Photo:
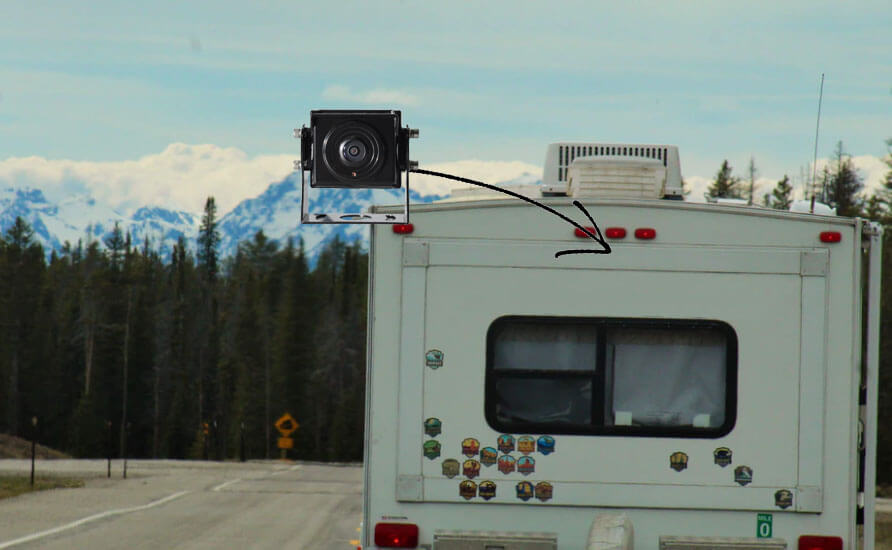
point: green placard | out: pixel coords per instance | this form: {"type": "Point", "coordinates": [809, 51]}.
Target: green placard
{"type": "Point", "coordinates": [763, 526]}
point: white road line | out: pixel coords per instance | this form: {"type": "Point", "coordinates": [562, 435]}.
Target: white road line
{"type": "Point", "coordinates": [88, 519]}
{"type": "Point", "coordinates": [295, 467]}
{"type": "Point", "coordinates": [218, 488]}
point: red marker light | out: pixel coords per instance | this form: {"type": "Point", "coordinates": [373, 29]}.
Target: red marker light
{"type": "Point", "coordinates": [645, 233]}
{"type": "Point", "coordinates": [831, 236]}
{"type": "Point", "coordinates": [403, 228]}
{"type": "Point", "coordinates": [615, 232]}
{"type": "Point", "coordinates": [582, 234]}
{"type": "Point", "coordinates": [396, 535]}
{"type": "Point", "coordinates": [816, 542]}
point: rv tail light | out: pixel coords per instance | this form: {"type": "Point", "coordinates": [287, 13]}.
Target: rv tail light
{"type": "Point", "coordinates": [396, 535]}
{"type": "Point", "coordinates": [816, 542]}
{"type": "Point", "coordinates": [403, 228]}
{"type": "Point", "coordinates": [831, 236]}
{"type": "Point", "coordinates": [645, 233]}
{"type": "Point", "coordinates": [615, 232]}
{"type": "Point", "coordinates": [582, 234]}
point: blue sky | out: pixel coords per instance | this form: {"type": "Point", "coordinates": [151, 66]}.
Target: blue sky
{"type": "Point", "coordinates": [494, 81]}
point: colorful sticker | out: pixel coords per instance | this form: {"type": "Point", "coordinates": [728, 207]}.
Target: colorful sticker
{"type": "Point", "coordinates": [470, 469]}
{"type": "Point", "coordinates": [526, 444]}
{"type": "Point", "coordinates": [488, 456]}
{"type": "Point", "coordinates": [743, 475]}
{"type": "Point", "coordinates": [433, 358]}
{"type": "Point", "coordinates": [467, 489]}
{"type": "Point", "coordinates": [525, 490]}
{"type": "Point", "coordinates": [506, 464]}
{"type": "Point", "coordinates": [506, 443]}
{"type": "Point", "coordinates": [544, 490]}
{"type": "Point", "coordinates": [678, 461]}
{"type": "Point", "coordinates": [431, 449]}
{"type": "Point", "coordinates": [722, 456]}
{"type": "Point", "coordinates": [545, 444]}
{"type": "Point", "coordinates": [487, 490]}
{"type": "Point", "coordinates": [433, 427]}
{"type": "Point", "coordinates": [450, 468]}
{"type": "Point", "coordinates": [526, 465]}
{"type": "Point", "coordinates": [469, 447]}
{"type": "Point", "coordinates": [783, 499]}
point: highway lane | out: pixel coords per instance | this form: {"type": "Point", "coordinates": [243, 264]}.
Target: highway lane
{"type": "Point", "coordinates": [189, 505]}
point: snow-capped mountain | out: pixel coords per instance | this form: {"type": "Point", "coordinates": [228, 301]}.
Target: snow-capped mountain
{"type": "Point", "coordinates": [276, 211]}
{"type": "Point", "coordinates": [82, 218]}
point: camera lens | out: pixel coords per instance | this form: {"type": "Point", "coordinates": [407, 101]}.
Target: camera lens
{"type": "Point", "coordinates": [353, 151]}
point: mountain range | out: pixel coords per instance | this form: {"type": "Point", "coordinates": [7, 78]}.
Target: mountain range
{"type": "Point", "coordinates": [276, 211]}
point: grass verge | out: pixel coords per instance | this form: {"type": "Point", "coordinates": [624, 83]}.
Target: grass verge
{"type": "Point", "coordinates": [11, 486]}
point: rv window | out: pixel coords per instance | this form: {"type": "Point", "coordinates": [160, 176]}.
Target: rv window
{"type": "Point", "coordinates": [611, 376]}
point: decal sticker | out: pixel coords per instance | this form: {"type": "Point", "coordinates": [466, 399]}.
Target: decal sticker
{"type": "Point", "coordinates": [469, 447]}
{"type": "Point", "coordinates": [526, 465]}
{"type": "Point", "coordinates": [763, 526]}
{"type": "Point", "coordinates": [722, 456]}
{"type": "Point", "coordinates": [524, 490]}
{"type": "Point", "coordinates": [783, 499]}
{"type": "Point", "coordinates": [743, 475]}
{"type": "Point", "coordinates": [544, 491]}
{"type": "Point", "coordinates": [488, 456]}
{"type": "Point", "coordinates": [506, 464]}
{"type": "Point", "coordinates": [467, 489]}
{"type": "Point", "coordinates": [450, 468]}
{"type": "Point", "coordinates": [471, 469]}
{"type": "Point", "coordinates": [545, 444]}
{"type": "Point", "coordinates": [487, 490]}
{"type": "Point", "coordinates": [526, 444]}
{"type": "Point", "coordinates": [678, 461]}
{"type": "Point", "coordinates": [433, 358]}
{"type": "Point", "coordinates": [506, 443]}
{"type": "Point", "coordinates": [433, 427]}
{"type": "Point", "coordinates": [431, 449]}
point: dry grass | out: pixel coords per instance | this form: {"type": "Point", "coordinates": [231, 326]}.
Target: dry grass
{"type": "Point", "coordinates": [16, 447]}
{"type": "Point", "coordinates": [11, 486]}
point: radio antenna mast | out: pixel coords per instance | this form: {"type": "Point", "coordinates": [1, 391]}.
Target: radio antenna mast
{"type": "Point", "coordinates": [814, 164]}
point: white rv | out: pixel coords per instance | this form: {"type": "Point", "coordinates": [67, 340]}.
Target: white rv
{"type": "Point", "coordinates": [710, 383]}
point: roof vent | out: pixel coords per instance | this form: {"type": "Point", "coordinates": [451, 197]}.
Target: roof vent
{"type": "Point", "coordinates": [618, 160]}
{"type": "Point", "coordinates": [616, 178]}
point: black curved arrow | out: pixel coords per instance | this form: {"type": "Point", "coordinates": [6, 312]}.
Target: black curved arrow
{"type": "Point", "coordinates": [596, 235]}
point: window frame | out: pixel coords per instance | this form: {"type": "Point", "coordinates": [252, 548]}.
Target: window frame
{"type": "Point", "coordinates": [598, 378]}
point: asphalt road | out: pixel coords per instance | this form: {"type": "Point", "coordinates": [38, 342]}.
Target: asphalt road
{"type": "Point", "coordinates": [187, 505]}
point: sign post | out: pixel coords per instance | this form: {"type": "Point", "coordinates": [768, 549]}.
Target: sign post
{"type": "Point", "coordinates": [287, 425]}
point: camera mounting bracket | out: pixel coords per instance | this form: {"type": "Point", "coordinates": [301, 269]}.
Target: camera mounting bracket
{"type": "Point", "coordinates": [341, 217]}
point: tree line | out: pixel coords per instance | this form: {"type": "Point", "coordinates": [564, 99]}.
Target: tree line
{"type": "Point", "coordinates": [112, 347]}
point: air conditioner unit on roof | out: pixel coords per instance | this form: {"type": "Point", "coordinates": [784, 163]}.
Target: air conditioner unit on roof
{"type": "Point", "coordinates": [609, 170]}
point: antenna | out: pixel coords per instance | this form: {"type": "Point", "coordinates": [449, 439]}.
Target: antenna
{"type": "Point", "coordinates": [814, 164]}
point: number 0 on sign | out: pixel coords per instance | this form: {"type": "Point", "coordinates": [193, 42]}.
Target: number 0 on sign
{"type": "Point", "coordinates": [763, 526]}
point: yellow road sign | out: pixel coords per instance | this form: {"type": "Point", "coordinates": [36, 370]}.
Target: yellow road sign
{"type": "Point", "coordinates": [286, 425]}
{"type": "Point", "coordinates": [286, 443]}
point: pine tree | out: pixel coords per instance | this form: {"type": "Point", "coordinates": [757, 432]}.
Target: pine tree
{"type": "Point", "coordinates": [843, 185]}
{"type": "Point", "coordinates": [725, 185]}
{"type": "Point", "coordinates": [782, 195]}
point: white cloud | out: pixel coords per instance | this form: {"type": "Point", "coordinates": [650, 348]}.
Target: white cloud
{"type": "Point", "coordinates": [491, 172]}
{"type": "Point", "coordinates": [181, 177]}
{"type": "Point", "coordinates": [376, 96]}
